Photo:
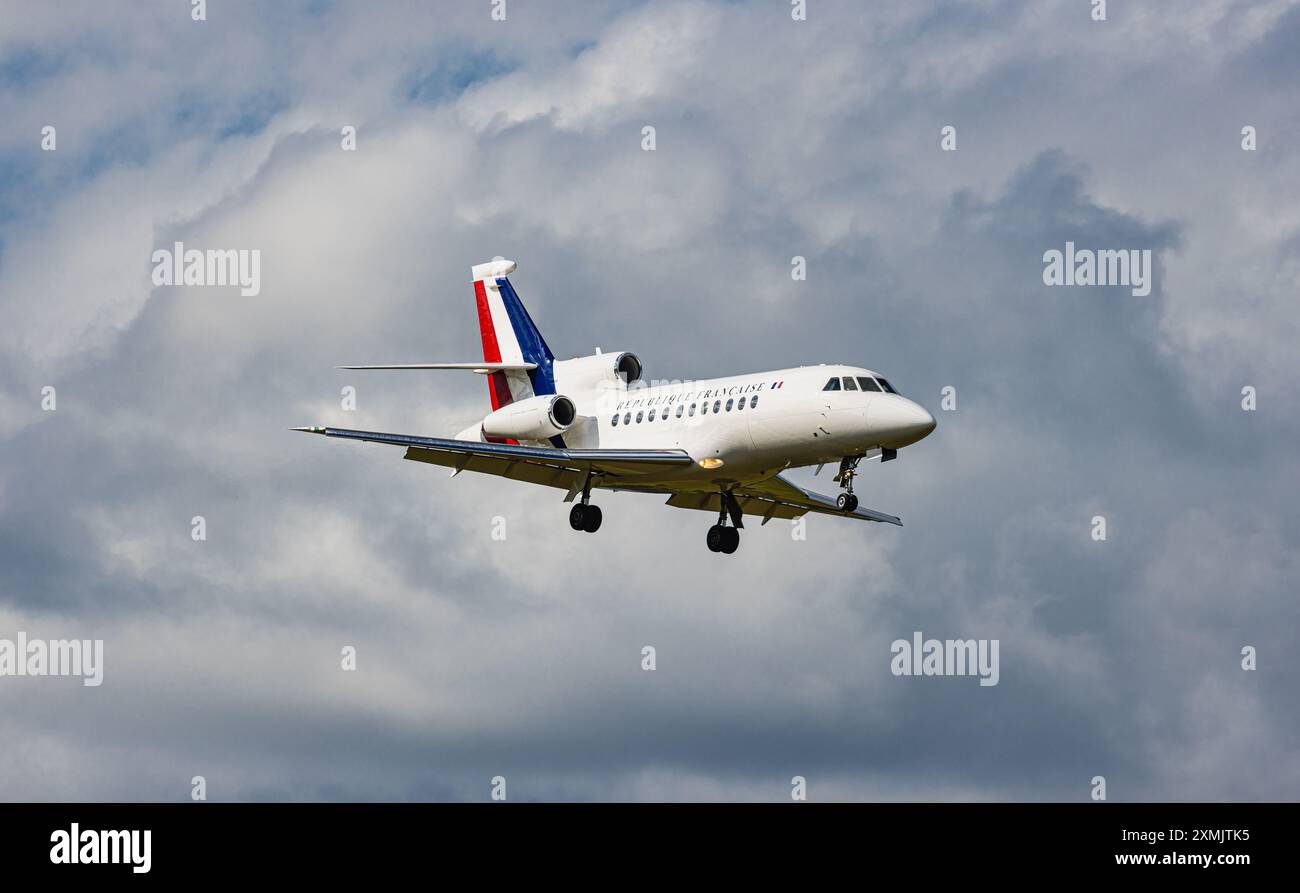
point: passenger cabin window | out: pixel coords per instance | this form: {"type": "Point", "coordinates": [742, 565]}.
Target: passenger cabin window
{"type": "Point", "coordinates": [627, 418]}
{"type": "Point", "coordinates": [680, 407]}
{"type": "Point", "coordinates": [753, 401]}
{"type": "Point", "coordinates": [652, 416]}
{"type": "Point", "coordinates": [638, 418]}
{"type": "Point", "coordinates": [740, 404]}
{"type": "Point", "coordinates": [868, 383]}
{"type": "Point", "coordinates": [716, 405]}
{"type": "Point", "coordinates": [614, 421]}
{"type": "Point", "coordinates": [692, 412]}
{"type": "Point", "coordinates": [704, 409]}
{"type": "Point", "coordinates": [730, 403]}
{"type": "Point", "coordinates": [832, 385]}
{"type": "Point", "coordinates": [850, 384]}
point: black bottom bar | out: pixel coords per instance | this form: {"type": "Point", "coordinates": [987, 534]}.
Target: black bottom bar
{"type": "Point", "coordinates": [533, 841]}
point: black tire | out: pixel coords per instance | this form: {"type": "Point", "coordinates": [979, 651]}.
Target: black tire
{"type": "Point", "coordinates": [577, 516]}
{"type": "Point", "coordinates": [730, 540]}
{"type": "Point", "coordinates": [853, 504]}
{"type": "Point", "coordinates": [715, 538]}
{"type": "Point", "coordinates": [591, 518]}
{"type": "Point", "coordinates": [842, 502]}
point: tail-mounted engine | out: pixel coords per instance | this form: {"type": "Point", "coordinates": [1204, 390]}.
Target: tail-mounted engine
{"type": "Point", "coordinates": [536, 418]}
{"type": "Point", "coordinates": [597, 371]}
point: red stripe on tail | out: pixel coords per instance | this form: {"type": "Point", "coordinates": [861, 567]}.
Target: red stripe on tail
{"type": "Point", "coordinates": [498, 387]}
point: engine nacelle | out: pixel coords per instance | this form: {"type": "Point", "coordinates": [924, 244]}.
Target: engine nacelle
{"type": "Point", "coordinates": [598, 370]}
{"type": "Point", "coordinates": [536, 418]}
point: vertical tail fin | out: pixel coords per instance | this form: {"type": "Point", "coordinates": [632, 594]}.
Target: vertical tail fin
{"type": "Point", "coordinates": [510, 336]}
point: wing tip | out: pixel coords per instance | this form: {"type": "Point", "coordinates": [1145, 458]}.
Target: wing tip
{"type": "Point", "coordinates": [882, 518]}
{"type": "Point", "coordinates": [310, 429]}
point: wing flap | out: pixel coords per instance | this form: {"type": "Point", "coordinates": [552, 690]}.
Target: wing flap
{"type": "Point", "coordinates": [749, 505]}
{"type": "Point", "coordinates": [529, 472]}
{"type": "Point", "coordinates": [777, 497]}
{"type": "Point", "coordinates": [781, 489]}
{"type": "Point", "coordinates": [517, 460]}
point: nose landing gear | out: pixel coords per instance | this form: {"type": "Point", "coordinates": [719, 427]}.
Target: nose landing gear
{"type": "Point", "coordinates": [722, 538]}
{"type": "Point", "coordinates": [846, 501]}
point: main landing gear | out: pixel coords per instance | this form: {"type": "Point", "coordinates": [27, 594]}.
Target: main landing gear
{"type": "Point", "coordinates": [722, 538]}
{"type": "Point", "coordinates": [584, 516]}
{"type": "Point", "coordinates": [846, 501]}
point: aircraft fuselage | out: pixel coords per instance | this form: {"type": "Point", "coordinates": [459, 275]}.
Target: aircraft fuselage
{"type": "Point", "coordinates": [788, 420]}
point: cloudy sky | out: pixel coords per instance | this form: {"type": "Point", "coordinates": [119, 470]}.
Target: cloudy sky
{"type": "Point", "coordinates": [774, 138]}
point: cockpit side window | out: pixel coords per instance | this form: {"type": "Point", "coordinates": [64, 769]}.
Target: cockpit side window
{"type": "Point", "coordinates": [850, 384]}
{"type": "Point", "coordinates": [832, 385]}
{"type": "Point", "coordinates": [868, 383]}
{"type": "Point", "coordinates": [889, 389]}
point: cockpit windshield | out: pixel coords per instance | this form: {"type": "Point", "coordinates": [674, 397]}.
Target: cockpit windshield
{"type": "Point", "coordinates": [863, 382]}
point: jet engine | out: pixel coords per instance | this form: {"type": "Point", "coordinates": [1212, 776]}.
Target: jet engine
{"type": "Point", "coordinates": [597, 371]}
{"type": "Point", "coordinates": [536, 418]}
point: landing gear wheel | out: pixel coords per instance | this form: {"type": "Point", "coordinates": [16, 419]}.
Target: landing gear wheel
{"type": "Point", "coordinates": [716, 537]}
{"type": "Point", "coordinates": [578, 517]}
{"type": "Point", "coordinates": [730, 540]}
{"type": "Point", "coordinates": [846, 501]}
{"type": "Point", "coordinates": [591, 518]}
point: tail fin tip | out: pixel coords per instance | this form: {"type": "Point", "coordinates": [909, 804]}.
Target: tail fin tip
{"type": "Point", "coordinates": [493, 269]}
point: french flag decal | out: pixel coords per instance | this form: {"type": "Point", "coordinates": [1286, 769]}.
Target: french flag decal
{"type": "Point", "coordinates": [776, 384]}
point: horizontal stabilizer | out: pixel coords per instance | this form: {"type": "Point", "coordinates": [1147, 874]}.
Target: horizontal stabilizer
{"type": "Point", "coordinates": [481, 368]}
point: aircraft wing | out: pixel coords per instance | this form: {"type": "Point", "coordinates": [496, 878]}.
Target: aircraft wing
{"type": "Point", "coordinates": [481, 368]}
{"type": "Point", "coordinates": [777, 497]}
{"type": "Point", "coordinates": [563, 468]}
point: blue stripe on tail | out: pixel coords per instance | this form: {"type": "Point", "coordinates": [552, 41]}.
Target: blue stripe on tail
{"type": "Point", "coordinates": [531, 343]}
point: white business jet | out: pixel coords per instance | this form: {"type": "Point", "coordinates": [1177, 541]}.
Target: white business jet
{"type": "Point", "coordinates": [719, 445]}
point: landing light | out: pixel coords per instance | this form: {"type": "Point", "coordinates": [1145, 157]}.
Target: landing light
{"type": "Point", "coordinates": [710, 463]}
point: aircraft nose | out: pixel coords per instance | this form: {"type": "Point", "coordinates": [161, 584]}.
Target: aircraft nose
{"type": "Point", "coordinates": [900, 422]}
{"type": "Point", "coordinates": [924, 421]}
